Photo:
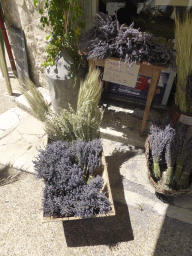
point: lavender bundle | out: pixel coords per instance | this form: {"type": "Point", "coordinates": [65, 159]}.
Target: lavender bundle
{"type": "Point", "coordinates": [66, 193]}
{"type": "Point", "coordinates": [101, 36]}
{"type": "Point", "coordinates": [108, 39]}
{"type": "Point", "coordinates": [158, 139]}
{"type": "Point", "coordinates": [183, 159]}
{"type": "Point", "coordinates": [89, 156]}
{"type": "Point", "coordinates": [131, 44]}
{"type": "Point", "coordinates": [187, 169]}
{"type": "Point", "coordinates": [159, 54]}
{"type": "Point", "coordinates": [170, 156]}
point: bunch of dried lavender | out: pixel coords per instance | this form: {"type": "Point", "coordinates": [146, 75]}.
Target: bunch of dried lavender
{"type": "Point", "coordinates": [187, 170]}
{"type": "Point", "coordinates": [62, 165]}
{"type": "Point", "coordinates": [103, 34]}
{"type": "Point", "coordinates": [159, 54]}
{"type": "Point", "coordinates": [170, 157]}
{"type": "Point", "coordinates": [158, 139]}
{"type": "Point", "coordinates": [88, 153]}
{"type": "Point", "coordinates": [131, 44]}
{"type": "Point", "coordinates": [108, 39]}
{"type": "Point", "coordinates": [183, 159]}
{"type": "Point", "coordinates": [173, 153]}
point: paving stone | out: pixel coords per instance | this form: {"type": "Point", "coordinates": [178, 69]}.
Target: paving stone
{"type": "Point", "coordinates": [25, 135]}
{"type": "Point", "coordinates": [31, 126]}
{"type": "Point", "coordinates": [24, 105]}
{"type": "Point", "coordinates": [10, 119]}
{"type": "Point", "coordinates": [25, 161]}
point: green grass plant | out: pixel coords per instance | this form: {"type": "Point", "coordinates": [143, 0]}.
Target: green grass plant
{"type": "Point", "coordinates": [85, 122]}
{"type": "Point", "coordinates": [38, 104]}
{"type": "Point", "coordinates": [70, 125]}
{"type": "Point", "coordinates": [183, 36]}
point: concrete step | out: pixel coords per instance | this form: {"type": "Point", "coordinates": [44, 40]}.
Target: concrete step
{"type": "Point", "coordinates": [20, 146]}
{"type": "Point", "coordinates": [24, 105]}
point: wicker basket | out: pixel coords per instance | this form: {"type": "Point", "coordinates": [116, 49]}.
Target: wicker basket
{"type": "Point", "coordinates": [160, 187]}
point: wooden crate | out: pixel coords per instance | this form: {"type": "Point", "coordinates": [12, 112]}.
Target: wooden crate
{"type": "Point", "coordinates": [106, 188]}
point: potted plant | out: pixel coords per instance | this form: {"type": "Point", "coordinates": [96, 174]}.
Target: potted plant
{"type": "Point", "coordinates": [73, 158]}
{"type": "Point", "coordinates": [169, 145]}
{"type": "Point", "coordinates": [63, 17]}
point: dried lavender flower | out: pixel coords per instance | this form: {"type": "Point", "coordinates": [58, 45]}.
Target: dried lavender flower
{"type": "Point", "coordinates": [169, 157]}
{"type": "Point", "coordinates": [158, 139]}
{"type": "Point", "coordinates": [62, 166]}
{"type": "Point", "coordinates": [108, 39]}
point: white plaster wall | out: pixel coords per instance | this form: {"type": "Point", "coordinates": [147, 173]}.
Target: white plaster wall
{"type": "Point", "coordinates": [23, 14]}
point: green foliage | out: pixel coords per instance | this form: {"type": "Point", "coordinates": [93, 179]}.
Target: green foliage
{"type": "Point", "coordinates": [85, 122]}
{"type": "Point", "coordinates": [183, 36]}
{"type": "Point", "coordinates": [69, 125]}
{"type": "Point", "coordinates": [64, 18]}
{"type": "Point", "coordinates": [39, 106]}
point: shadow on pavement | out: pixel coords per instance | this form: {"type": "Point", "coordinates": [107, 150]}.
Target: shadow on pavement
{"type": "Point", "coordinates": [175, 237]}
{"type": "Point", "coordinates": [9, 175]}
{"type": "Point", "coordinates": [105, 230]}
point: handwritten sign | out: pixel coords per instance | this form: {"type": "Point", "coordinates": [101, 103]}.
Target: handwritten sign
{"type": "Point", "coordinates": [185, 119]}
{"type": "Point", "coordinates": [118, 72]}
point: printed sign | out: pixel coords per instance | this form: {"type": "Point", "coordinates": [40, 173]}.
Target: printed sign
{"type": "Point", "coordinates": [118, 72]}
{"type": "Point", "coordinates": [185, 119]}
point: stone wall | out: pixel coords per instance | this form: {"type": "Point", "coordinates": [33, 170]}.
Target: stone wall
{"type": "Point", "coordinates": [23, 14]}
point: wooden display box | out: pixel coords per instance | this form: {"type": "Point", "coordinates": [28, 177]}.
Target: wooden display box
{"type": "Point", "coordinates": [106, 188]}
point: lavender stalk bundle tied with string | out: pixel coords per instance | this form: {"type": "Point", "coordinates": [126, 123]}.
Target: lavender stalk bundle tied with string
{"type": "Point", "coordinates": [175, 144]}
{"type": "Point", "coordinates": [159, 137]}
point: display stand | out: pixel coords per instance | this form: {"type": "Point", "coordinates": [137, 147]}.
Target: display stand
{"type": "Point", "coordinates": [145, 70]}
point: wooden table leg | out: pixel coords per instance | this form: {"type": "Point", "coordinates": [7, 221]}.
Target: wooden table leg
{"type": "Point", "coordinates": [150, 96]}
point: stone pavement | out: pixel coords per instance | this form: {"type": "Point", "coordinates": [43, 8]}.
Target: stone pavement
{"type": "Point", "coordinates": [143, 224]}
